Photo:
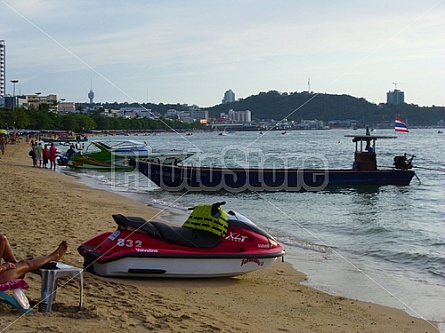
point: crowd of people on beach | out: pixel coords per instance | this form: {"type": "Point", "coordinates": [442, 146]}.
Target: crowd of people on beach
{"type": "Point", "coordinates": [42, 154]}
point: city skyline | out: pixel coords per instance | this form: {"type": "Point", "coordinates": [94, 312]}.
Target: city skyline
{"type": "Point", "coordinates": [192, 52]}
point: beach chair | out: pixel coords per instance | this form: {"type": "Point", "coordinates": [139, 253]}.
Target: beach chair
{"type": "Point", "coordinates": [18, 300]}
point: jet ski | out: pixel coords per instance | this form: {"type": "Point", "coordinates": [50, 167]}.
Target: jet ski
{"type": "Point", "coordinates": [140, 248]}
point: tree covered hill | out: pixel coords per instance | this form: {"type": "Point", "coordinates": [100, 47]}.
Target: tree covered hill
{"type": "Point", "coordinates": [327, 107]}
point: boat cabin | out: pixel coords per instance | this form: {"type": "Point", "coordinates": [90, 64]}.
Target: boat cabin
{"type": "Point", "coordinates": [365, 156]}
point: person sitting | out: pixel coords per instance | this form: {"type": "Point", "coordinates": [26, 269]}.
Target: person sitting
{"type": "Point", "coordinates": [12, 269]}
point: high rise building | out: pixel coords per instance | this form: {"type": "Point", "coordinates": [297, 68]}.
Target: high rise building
{"type": "Point", "coordinates": [229, 96]}
{"type": "Point", "coordinates": [395, 97]}
{"type": "Point", "coordinates": [2, 68]}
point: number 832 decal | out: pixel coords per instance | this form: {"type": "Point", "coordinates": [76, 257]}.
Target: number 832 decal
{"type": "Point", "coordinates": [128, 242]}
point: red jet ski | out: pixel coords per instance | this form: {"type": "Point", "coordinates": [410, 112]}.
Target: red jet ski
{"type": "Point", "coordinates": [140, 248]}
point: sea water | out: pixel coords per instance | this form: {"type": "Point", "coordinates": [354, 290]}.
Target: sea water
{"type": "Point", "coordinates": [381, 244]}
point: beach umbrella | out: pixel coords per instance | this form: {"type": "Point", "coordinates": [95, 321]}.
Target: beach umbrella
{"type": "Point", "coordinates": [2, 131]}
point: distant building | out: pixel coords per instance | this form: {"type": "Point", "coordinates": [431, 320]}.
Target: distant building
{"type": "Point", "coordinates": [240, 116]}
{"type": "Point", "coordinates": [35, 100]}
{"type": "Point", "coordinates": [50, 99]}
{"type": "Point", "coordinates": [395, 97]}
{"type": "Point", "coordinates": [136, 111]}
{"type": "Point", "coordinates": [66, 107]}
{"type": "Point", "coordinates": [2, 68]}
{"type": "Point", "coordinates": [229, 96]}
{"type": "Point", "coordinates": [191, 115]}
{"type": "Point", "coordinates": [11, 102]}
{"type": "Point", "coordinates": [194, 113]}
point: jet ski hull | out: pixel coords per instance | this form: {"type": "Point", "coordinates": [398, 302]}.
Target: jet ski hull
{"type": "Point", "coordinates": [185, 267]}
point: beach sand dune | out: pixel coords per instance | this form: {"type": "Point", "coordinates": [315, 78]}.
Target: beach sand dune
{"type": "Point", "coordinates": [39, 208]}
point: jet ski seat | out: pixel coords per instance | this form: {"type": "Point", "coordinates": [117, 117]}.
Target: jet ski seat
{"type": "Point", "coordinates": [187, 236]}
{"type": "Point", "coordinates": [177, 235]}
{"type": "Point", "coordinates": [136, 222]}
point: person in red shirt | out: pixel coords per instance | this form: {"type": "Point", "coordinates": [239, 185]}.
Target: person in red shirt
{"type": "Point", "coordinates": [52, 156]}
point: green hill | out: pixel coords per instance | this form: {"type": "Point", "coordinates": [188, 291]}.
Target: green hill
{"type": "Point", "coordinates": [327, 107]}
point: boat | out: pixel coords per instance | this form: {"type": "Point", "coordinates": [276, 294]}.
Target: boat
{"type": "Point", "coordinates": [140, 248]}
{"type": "Point", "coordinates": [210, 178]}
{"type": "Point", "coordinates": [223, 133]}
{"type": "Point", "coordinates": [70, 139]}
{"type": "Point", "coordinates": [115, 155]}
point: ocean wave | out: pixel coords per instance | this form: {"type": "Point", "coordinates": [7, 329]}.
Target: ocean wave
{"type": "Point", "coordinates": [430, 262]}
{"type": "Point", "coordinates": [305, 245]}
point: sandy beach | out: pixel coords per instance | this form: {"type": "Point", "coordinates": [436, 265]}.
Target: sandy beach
{"type": "Point", "coordinates": [39, 208]}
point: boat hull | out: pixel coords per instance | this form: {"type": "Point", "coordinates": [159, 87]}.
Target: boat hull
{"type": "Point", "coordinates": [183, 266]}
{"type": "Point", "coordinates": [178, 178]}
{"type": "Point", "coordinates": [122, 163]}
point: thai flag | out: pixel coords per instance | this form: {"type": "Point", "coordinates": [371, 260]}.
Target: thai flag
{"type": "Point", "coordinates": [400, 126]}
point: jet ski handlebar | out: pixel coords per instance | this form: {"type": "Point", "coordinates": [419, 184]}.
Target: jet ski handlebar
{"type": "Point", "coordinates": [215, 207]}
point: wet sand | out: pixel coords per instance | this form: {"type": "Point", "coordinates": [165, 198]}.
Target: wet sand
{"type": "Point", "coordinates": [39, 208]}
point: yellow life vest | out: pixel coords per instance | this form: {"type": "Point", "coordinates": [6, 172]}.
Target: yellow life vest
{"type": "Point", "coordinates": [201, 218]}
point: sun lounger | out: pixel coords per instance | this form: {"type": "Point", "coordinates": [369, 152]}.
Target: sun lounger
{"type": "Point", "coordinates": [18, 300]}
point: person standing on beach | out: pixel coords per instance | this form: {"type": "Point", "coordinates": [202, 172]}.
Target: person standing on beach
{"type": "Point", "coordinates": [45, 156]}
{"type": "Point", "coordinates": [33, 155]}
{"type": "Point", "coordinates": [52, 156]}
{"type": "Point", "coordinates": [39, 153]}
{"type": "Point", "coordinates": [3, 143]}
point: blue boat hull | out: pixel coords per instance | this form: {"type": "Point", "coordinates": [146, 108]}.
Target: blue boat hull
{"type": "Point", "coordinates": [178, 178]}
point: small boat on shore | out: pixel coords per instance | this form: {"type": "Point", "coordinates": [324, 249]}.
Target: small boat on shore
{"type": "Point", "coordinates": [140, 248]}
{"type": "Point", "coordinates": [115, 155]}
{"type": "Point", "coordinates": [209, 178]}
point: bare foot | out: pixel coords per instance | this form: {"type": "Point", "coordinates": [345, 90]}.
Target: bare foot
{"type": "Point", "coordinates": [60, 251]}
{"type": "Point", "coordinates": [7, 265]}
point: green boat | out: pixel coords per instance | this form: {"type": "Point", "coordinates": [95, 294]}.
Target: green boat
{"type": "Point", "coordinates": [115, 155]}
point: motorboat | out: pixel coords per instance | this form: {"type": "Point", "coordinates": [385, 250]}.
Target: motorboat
{"type": "Point", "coordinates": [235, 179]}
{"type": "Point", "coordinates": [140, 248]}
{"type": "Point", "coordinates": [115, 155]}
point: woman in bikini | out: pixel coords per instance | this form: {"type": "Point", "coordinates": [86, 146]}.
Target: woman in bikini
{"type": "Point", "coordinates": [12, 269]}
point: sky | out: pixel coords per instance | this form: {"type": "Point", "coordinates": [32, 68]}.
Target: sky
{"type": "Point", "coordinates": [192, 51]}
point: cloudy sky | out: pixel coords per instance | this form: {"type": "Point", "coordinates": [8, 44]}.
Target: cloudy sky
{"type": "Point", "coordinates": [192, 51]}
